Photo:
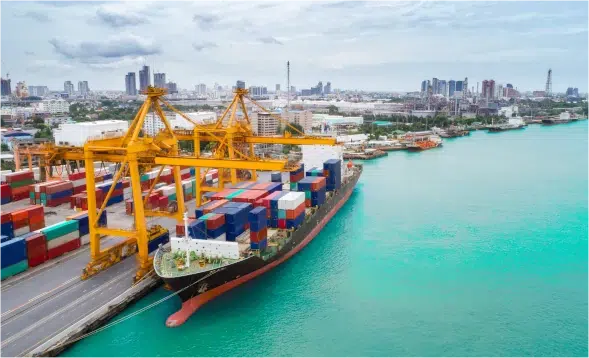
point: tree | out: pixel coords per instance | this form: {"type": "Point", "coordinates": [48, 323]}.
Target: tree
{"type": "Point", "coordinates": [291, 130]}
{"type": "Point", "coordinates": [333, 109]}
{"type": "Point", "coordinates": [5, 147]}
{"type": "Point", "coordinates": [44, 132]}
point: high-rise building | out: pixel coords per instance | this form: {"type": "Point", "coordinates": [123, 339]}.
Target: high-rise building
{"type": "Point", "coordinates": [277, 87]}
{"type": "Point", "coordinates": [327, 88]}
{"type": "Point", "coordinates": [429, 88]}
{"type": "Point", "coordinates": [6, 88]}
{"type": "Point", "coordinates": [488, 89]}
{"type": "Point", "coordinates": [435, 85]}
{"type": "Point", "coordinates": [159, 80]}
{"type": "Point", "coordinates": [465, 86]}
{"type": "Point", "coordinates": [442, 88]}
{"type": "Point", "coordinates": [22, 90]}
{"type": "Point", "coordinates": [459, 86]}
{"type": "Point", "coordinates": [240, 84]}
{"type": "Point", "coordinates": [451, 88]}
{"type": "Point", "coordinates": [172, 87]}
{"type": "Point", "coordinates": [423, 86]}
{"type": "Point", "coordinates": [293, 90]}
{"type": "Point", "coordinates": [302, 118]}
{"type": "Point", "coordinates": [130, 84]}
{"type": "Point", "coordinates": [83, 88]}
{"type": "Point", "coordinates": [68, 87]}
{"type": "Point", "coordinates": [144, 78]}
{"type": "Point", "coordinates": [509, 85]}
{"type": "Point", "coordinates": [499, 91]}
{"type": "Point", "coordinates": [576, 92]}
{"type": "Point", "coordinates": [38, 91]}
{"type": "Point", "coordinates": [258, 91]}
{"type": "Point", "coordinates": [201, 89]}
{"type": "Point", "coordinates": [263, 123]}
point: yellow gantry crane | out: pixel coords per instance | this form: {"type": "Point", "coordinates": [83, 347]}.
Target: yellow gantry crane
{"type": "Point", "coordinates": [233, 150]}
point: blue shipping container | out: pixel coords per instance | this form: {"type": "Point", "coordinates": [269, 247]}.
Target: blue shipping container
{"type": "Point", "coordinates": [197, 229]}
{"type": "Point", "coordinates": [114, 200]}
{"type": "Point", "coordinates": [276, 177]}
{"type": "Point", "coordinates": [257, 226]}
{"type": "Point", "coordinates": [256, 214]}
{"type": "Point", "coordinates": [4, 238]}
{"type": "Point", "coordinates": [13, 251]}
{"type": "Point", "coordinates": [259, 245]}
{"type": "Point", "coordinates": [216, 232]}
{"type": "Point", "coordinates": [6, 229]}
{"type": "Point", "coordinates": [60, 194]}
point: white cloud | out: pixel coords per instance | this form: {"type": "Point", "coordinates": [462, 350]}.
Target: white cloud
{"type": "Point", "coordinates": [204, 42]}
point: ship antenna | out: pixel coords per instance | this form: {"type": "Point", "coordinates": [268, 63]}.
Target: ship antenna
{"type": "Point", "coordinates": [187, 239]}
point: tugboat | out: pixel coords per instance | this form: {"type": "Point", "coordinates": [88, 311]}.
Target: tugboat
{"type": "Point", "coordinates": [419, 142]}
{"type": "Point", "coordinates": [565, 117]}
{"type": "Point", "coordinates": [514, 123]}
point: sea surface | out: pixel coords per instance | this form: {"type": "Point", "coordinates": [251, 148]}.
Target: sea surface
{"type": "Point", "coordinates": [477, 248]}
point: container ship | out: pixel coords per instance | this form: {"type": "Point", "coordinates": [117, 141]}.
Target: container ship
{"type": "Point", "coordinates": [245, 231]}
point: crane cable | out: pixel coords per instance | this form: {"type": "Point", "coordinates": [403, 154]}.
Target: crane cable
{"type": "Point", "coordinates": [120, 320]}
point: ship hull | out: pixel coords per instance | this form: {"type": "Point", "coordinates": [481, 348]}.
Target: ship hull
{"type": "Point", "coordinates": [197, 289]}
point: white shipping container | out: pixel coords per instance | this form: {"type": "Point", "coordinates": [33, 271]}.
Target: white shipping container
{"type": "Point", "coordinates": [291, 200]}
{"type": "Point", "coordinates": [21, 231]}
{"type": "Point", "coordinates": [3, 174]}
{"type": "Point", "coordinates": [51, 244]}
{"type": "Point", "coordinates": [79, 182]}
{"type": "Point", "coordinates": [316, 155]}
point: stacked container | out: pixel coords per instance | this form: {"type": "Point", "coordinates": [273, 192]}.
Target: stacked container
{"type": "Point", "coordinates": [270, 202]}
{"type": "Point", "coordinates": [212, 177]}
{"type": "Point", "coordinates": [3, 174]}
{"type": "Point", "coordinates": [57, 194]}
{"type": "Point", "coordinates": [117, 194]}
{"type": "Point", "coordinates": [315, 172]}
{"type": "Point", "coordinates": [197, 229]}
{"type": "Point", "coordinates": [296, 175]}
{"type": "Point", "coordinates": [36, 248]}
{"type": "Point", "coordinates": [61, 238]}
{"type": "Point", "coordinates": [5, 194]}
{"type": "Point", "coordinates": [209, 207]}
{"type": "Point", "coordinates": [6, 227]}
{"type": "Point", "coordinates": [214, 225]}
{"type": "Point", "coordinates": [84, 224]}
{"type": "Point", "coordinates": [13, 254]}
{"type": "Point", "coordinates": [36, 190]}
{"type": "Point", "coordinates": [276, 177]}
{"type": "Point", "coordinates": [19, 184]}
{"type": "Point", "coordinates": [314, 189]}
{"type": "Point", "coordinates": [235, 218]}
{"type": "Point", "coordinates": [291, 210]}
{"type": "Point", "coordinates": [27, 220]}
{"type": "Point", "coordinates": [258, 228]}
{"type": "Point", "coordinates": [249, 196]}
{"type": "Point", "coordinates": [180, 227]}
{"type": "Point", "coordinates": [332, 170]}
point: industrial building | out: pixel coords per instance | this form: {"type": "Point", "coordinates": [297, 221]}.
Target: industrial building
{"type": "Point", "coordinates": [76, 134]}
{"type": "Point", "coordinates": [153, 123]}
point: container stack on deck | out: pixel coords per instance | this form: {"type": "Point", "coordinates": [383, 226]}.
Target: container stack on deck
{"type": "Point", "coordinates": [258, 228]}
{"type": "Point", "coordinates": [235, 218]}
{"type": "Point", "coordinates": [14, 257]}
{"type": "Point", "coordinates": [19, 184]}
{"type": "Point", "coordinates": [295, 176]}
{"type": "Point", "coordinates": [291, 210]}
{"type": "Point", "coordinates": [332, 171]}
{"type": "Point", "coordinates": [315, 190]}
{"type": "Point", "coordinates": [61, 238]}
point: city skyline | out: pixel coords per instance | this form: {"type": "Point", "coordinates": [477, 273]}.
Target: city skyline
{"type": "Point", "coordinates": [382, 47]}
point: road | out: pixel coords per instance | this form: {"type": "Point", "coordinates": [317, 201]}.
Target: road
{"type": "Point", "coordinates": [43, 303]}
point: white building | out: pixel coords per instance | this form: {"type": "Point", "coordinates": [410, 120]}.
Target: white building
{"type": "Point", "coordinates": [335, 120]}
{"type": "Point", "coordinates": [76, 134]}
{"type": "Point", "coordinates": [51, 106]}
{"type": "Point", "coordinates": [153, 124]}
{"type": "Point", "coordinates": [302, 118]}
{"type": "Point", "coordinates": [263, 123]}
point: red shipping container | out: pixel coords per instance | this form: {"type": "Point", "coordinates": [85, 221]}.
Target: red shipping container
{"type": "Point", "coordinates": [20, 196]}
{"type": "Point", "coordinates": [215, 221]}
{"type": "Point", "coordinates": [23, 189]}
{"type": "Point", "coordinates": [35, 211]}
{"type": "Point", "coordinates": [79, 189]}
{"type": "Point", "coordinates": [20, 223]}
{"type": "Point", "coordinates": [259, 186]}
{"type": "Point", "coordinates": [215, 204]}
{"type": "Point", "coordinates": [293, 214]}
{"type": "Point", "coordinates": [185, 176]}
{"type": "Point", "coordinates": [308, 203]}
{"type": "Point", "coordinates": [62, 249]}
{"type": "Point", "coordinates": [126, 184]}
{"type": "Point", "coordinates": [246, 226]}
{"type": "Point", "coordinates": [180, 227]}
{"type": "Point", "coordinates": [5, 217]}
{"type": "Point", "coordinates": [282, 223]}
{"type": "Point", "coordinates": [36, 249]}
{"type": "Point", "coordinates": [318, 184]}
{"type": "Point", "coordinates": [36, 219]}
{"type": "Point", "coordinates": [36, 226]}
{"type": "Point", "coordinates": [223, 194]}
{"type": "Point", "coordinates": [268, 198]}
{"type": "Point", "coordinates": [259, 235]}
{"type": "Point", "coordinates": [5, 191]}
{"type": "Point", "coordinates": [129, 206]}
{"type": "Point", "coordinates": [19, 215]}
{"type": "Point", "coordinates": [259, 202]}
{"type": "Point", "coordinates": [59, 187]}
{"type": "Point", "coordinates": [19, 176]}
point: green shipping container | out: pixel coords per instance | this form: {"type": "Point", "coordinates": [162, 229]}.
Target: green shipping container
{"type": "Point", "coordinates": [172, 197]}
{"type": "Point", "coordinates": [32, 195]}
{"type": "Point", "coordinates": [14, 269]}
{"type": "Point", "coordinates": [206, 216]}
{"type": "Point", "coordinates": [293, 186]}
{"type": "Point", "coordinates": [19, 184]}
{"type": "Point", "coordinates": [307, 195]}
{"type": "Point", "coordinates": [60, 229]}
{"type": "Point", "coordinates": [43, 196]}
{"type": "Point", "coordinates": [233, 195]}
{"type": "Point", "coordinates": [144, 177]}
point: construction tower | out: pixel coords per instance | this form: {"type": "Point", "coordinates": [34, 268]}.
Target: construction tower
{"type": "Point", "coordinates": [549, 83]}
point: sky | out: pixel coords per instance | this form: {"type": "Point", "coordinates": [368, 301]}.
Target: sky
{"type": "Point", "coordinates": [373, 46]}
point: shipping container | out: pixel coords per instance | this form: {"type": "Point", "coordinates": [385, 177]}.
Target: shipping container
{"type": "Point", "coordinates": [13, 252]}
{"type": "Point", "coordinates": [65, 248]}
{"type": "Point", "coordinates": [14, 269]}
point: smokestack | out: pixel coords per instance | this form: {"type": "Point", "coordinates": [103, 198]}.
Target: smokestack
{"type": "Point", "coordinates": [288, 85]}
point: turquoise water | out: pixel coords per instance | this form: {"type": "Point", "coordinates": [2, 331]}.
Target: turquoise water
{"type": "Point", "coordinates": [478, 248]}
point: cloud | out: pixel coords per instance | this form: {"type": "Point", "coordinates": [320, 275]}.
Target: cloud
{"type": "Point", "coordinates": [206, 22]}
{"type": "Point", "coordinates": [37, 16]}
{"type": "Point", "coordinates": [119, 19]}
{"type": "Point", "coordinates": [203, 46]}
{"type": "Point", "coordinates": [269, 40]}
{"type": "Point", "coordinates": [113, 47]}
